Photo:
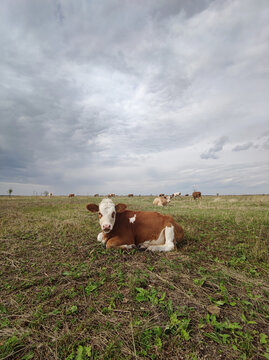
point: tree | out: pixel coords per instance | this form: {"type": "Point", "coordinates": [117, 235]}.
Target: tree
{"type": "Point", "coordinates": [10, 192]}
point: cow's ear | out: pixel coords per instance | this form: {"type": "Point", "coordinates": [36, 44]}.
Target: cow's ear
{"type": "Point", "coordinates": [92, 207]}
{"type": "Point", "coordinates": [120, 208]}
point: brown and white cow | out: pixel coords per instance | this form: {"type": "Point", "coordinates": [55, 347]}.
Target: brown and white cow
{"type": "Point", "coordinates": [176, 194]}
{"type": "Point", "coordinates": [111, 195]}
{"type": "Point", "coordinates": [126, 229]}
{"type": "Point", "coordinates": [71, 195]}
{"type": "Point", "coordinates": [130, 195]}
{"type": "Point", "coordinates": [196, 195]}
{"type": "Point", "coordinates": [161, 201]}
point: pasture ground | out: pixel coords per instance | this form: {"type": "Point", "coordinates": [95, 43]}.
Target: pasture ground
{"type": "Point", "coordinates": [64, 296]}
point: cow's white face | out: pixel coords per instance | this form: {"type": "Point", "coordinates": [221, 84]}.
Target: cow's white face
{"type": "Point", "coordinates": [107, 215]}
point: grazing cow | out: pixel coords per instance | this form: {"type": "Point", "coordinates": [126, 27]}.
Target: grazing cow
{"type": "Point", "coordinates": [126, 229]}
{"type": "Point", "coordinates": [130, 195]}
{"type": "Point", "coordinates": [160, 201]}
{"type": "Point", "coordinates": [96, 195]}
{"type": "Point", "coordinates": [71, 195]}
{"type": "Point", "coordinates": [176, 194]}
{"type": "Point", "coordinates": [186, 194]}
{"type": "Point", "coordinates": [196, 195]}
{"type": "Point", "coordinates": [111, 195]}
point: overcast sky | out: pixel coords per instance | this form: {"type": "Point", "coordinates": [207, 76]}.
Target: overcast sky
{"type": "Point", "coordinates": [136, 97]}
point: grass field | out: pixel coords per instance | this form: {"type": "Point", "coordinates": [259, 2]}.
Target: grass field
{"type": "Point", "coordinates": [64, 296]}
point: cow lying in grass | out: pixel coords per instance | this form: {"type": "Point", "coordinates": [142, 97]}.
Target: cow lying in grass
{"type": "Point", "coordinates": [127, 229]}
{"type": "Point", "coordinates": [161, 200]}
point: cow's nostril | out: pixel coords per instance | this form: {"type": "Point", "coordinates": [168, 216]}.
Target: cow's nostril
{"type": "Point", "coordinates": [106, 227]}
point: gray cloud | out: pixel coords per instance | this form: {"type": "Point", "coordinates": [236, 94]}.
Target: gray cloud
{"type": "Point", "coordinates": [242, 147]}
{"type": "Point", "coordinates": [265, 145]}
{"type": "Point", "coordinates": [91, 90]}
{"type": "Point", "coordinates": [261, 143]}
{"type": "Point", "coordinates": [218, 146]}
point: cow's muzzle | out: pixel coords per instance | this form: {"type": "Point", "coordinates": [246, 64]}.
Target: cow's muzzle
{"type": "Point", "coordinates": [106, 228]}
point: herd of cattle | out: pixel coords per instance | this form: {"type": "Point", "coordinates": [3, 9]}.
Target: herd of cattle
{"type": "Point", "coordinates": [147, 230]}
{"type": "Point", "coordinates": [161, 200]}
{"type": "Point", "coordinates": [70, 195]}
{"type": "Point", "coordinates": [128, 229]}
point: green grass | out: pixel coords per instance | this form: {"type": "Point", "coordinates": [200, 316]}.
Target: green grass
{"type": "Point", "coordinates": [64, 296]}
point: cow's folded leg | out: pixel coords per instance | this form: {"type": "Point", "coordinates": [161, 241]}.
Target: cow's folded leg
{"type": "Point", "coordinates": [127, 247]}
{"type": "Point", "coordinates": [159, 241]}
{"type": "Point", "coordinates": [144, 245]}
{"type": "Point", "coordinates": [100, 238]}
{"type": "Point", "coordinates": [169, 243]}
{"type": "Point", "coordinates": [160, 248]}
{"type": "Point", "coordinates": [118, 243]}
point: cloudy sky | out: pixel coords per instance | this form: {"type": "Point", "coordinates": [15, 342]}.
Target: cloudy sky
{"type": "Point", "coordinates": [134, 96]}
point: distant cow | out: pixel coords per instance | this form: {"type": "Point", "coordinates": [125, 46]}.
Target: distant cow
{"type": "Point", "coordinates": [96, 195]}
{"type": "Point", "coordinates": [111, 195]}
{"type": "Point", "coordinates": [71, 195]}
{"type": "Point", "coordinates": [130, 195]}
{"type": "Point", "coordinates": [50, 195]}
{"type": "Point", "coordinates": [160, 201]}
{"type": "Point", "coordinates": [126, 229]}
{"type": "Point", "coordinates": [196, 195]}
{"type": "Point", "coordinates": [176, 194]}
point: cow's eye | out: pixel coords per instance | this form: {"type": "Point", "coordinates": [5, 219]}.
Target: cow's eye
{"type": "Point", "coordinates": [100, 215]}
{"type": "Point", "coordinates": [113, 214]}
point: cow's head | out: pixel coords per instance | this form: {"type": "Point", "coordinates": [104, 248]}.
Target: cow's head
{"type": "Point", "coordinates": [107, 213]}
